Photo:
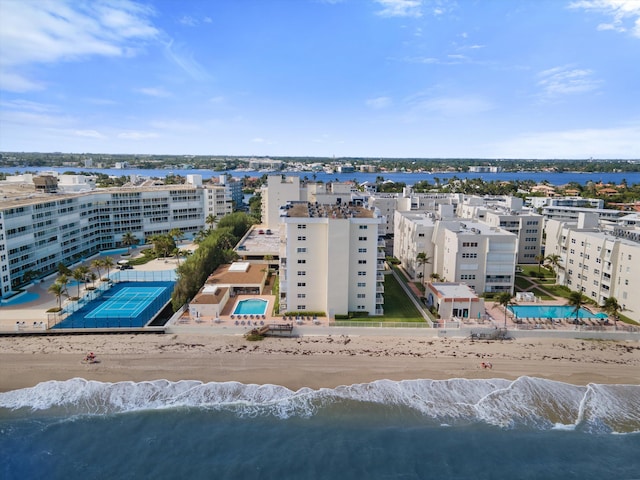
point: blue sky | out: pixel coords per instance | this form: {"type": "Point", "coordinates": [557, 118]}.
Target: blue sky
{"type": "Point", "coordinates": [367, 78]}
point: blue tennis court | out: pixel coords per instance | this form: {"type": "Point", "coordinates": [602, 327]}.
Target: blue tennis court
{"type": "Point", "coordinates": [126, 304]}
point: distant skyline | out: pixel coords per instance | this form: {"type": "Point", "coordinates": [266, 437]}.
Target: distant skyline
{"type": "Point", "coordinates": [322, 78]}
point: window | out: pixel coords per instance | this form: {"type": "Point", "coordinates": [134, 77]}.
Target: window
{"type": "Point", "coordinates": [302, 260]}
{"type": "Point", "coordinates": [573, 240]}
{"type": "Point", "coordinates": [362, 295]}
{"type": "Point", "coordinates": [362, 274]}
{"type": "Point", "coordinates": [301, 307]}
{"type": "Point", "coordinates": [302, 226]}
{"type": "Point", "coordinates": [302, 284]}
{"type": "Point", "coordinates": [469, 244]}
{"type": "Point", "coordinates": [362, 262]}
{"type": "Point", "coordinates": [362, 250]}
{"type": "Point", "coordinates": [362, 227]}
{"type": "Point", "coordinates": [302, 295]}
{"type": "Point", "coordinates": [301, 250]}
{"type": "Point", "coordinates": [302, 273]}
{"type": "Point", "coordinates": [362, 284]}
{"type": "Point", "coordinates": [301, 238]}
{"type": "Point", "coordinates": [469, 255]}
{"type": "Point", "coordinates": [362, 239]}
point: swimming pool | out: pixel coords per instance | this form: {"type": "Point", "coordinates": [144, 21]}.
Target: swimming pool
{"type": "Point", "coordinates": [552, 311]}
{"type": "Point", "coordinates": [251, 306]}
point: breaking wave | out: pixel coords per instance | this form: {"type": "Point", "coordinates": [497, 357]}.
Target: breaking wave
{"type": "Point", "coordinates": [525, 402]}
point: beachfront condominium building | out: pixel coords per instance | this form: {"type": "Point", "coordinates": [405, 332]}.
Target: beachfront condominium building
{"type": "Point", "coordinates": [331, 259]}
{"type": "Point", "coordinates": [38, 231]}
{"type": "Point", "coordinates": [482, 256]}
{"type": "Point", "coordinates": [275, 193]}
{"type": "Point", "coordinates": [508, 213]}
{"type": "Point", "coordinates": [413, 235]}
{"type": "Point", "coordinates": [598, 260]}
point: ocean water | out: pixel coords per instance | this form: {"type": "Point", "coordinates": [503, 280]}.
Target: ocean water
{"type": "Point", "coordinates": [420, 429]}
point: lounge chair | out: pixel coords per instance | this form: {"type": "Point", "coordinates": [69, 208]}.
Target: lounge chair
{"type": "Point", "coordinates": [237, 323]}
{"type": "Point", "coordinates": [242, 323]}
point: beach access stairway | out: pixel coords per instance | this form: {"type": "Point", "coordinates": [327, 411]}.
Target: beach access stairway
{"type": "Point", "coordinates": [497, 334]}
{"type": "Point", "coordinates": [276, 329]}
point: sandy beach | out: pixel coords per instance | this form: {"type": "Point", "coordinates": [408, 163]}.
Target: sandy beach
{"type": "Point", "coordinates": [313, 361]}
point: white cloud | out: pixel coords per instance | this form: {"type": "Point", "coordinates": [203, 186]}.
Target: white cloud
{"type": "Point", "coordinates": [184, 59]}
{"type": "Point", "coordinates": [622, 142]}
{"type": "Point", "coordinates": [400, 8]}
{"type": "Point", "coordinates": [258, 140]}
{"type": "Point", "coordinates": [88, 133]}
{"type": "Point", "coordinates": [378, 102]}
{"type": "Point", "coordinates": [40, 31]}
{"type": "Point", "coordinates": [136, 135]}
{"type": "Point", "coordinates": [625, 14]}
{"type": "Point", "coordinates": [453, 106]}
{"type": "Point", "coordinates": [20, 104]}
{"type": "Point", "coordinates": [566, 80]}
{"type": "Point", "coordinates": [188, 21]}
{"type": "Point", "coordinates": [154, 92]}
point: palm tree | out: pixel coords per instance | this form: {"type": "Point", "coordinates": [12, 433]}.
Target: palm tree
{"type": "Point", "coordinates": [576, 300]}
{"type": "Point", "coordinates": [422, 259]}
{"type": "Point", "coordinates": [176, 234]}
{"type": "Point", "coordinates": [505, 299]}
{"type": "Point", "coordinates": [80, 275]}
{"type": "Point", "coordinates": [129, 239]}
{"type": "Point", "coordinates": [210, 220]}
{"type": "Point", "coordinates": [108, 263]}
{"type": "Point", "coordinates": [58, 289]}
{"type": "Point", "coordinates": [540, 259]}
{"type": "Point", "coordinates": [553, 261]}
{"type": "Point", "coordinates": [97, 264]}
{"type": "Point", "coordinates": [612, 307]}
{"type": "Point", "coordinates": [200, 236]}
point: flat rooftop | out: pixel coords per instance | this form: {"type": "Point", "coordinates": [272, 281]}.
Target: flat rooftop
{"type": "Point", "coordinates": [260, 241]}
{"type": "Point", "coordinates": [340, 210]}
{"type": "Point", "coordinates": [450, 290]}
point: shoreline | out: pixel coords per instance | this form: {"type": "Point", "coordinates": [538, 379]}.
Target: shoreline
{"type": "Point", "coordinates": [314, 362]}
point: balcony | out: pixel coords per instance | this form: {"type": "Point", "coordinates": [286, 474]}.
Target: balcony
{"type": "Point", "coordinates": [380, 277]}
{"type": "Point", "coordinates": [381, 243]}
{"type": "Point", "coordinates": [379, 288]}
{"type": "Point", "coordinates": [379, 311]}
{"type": "Point", "coordinates": [379, 298]}
{"type": "Point", "coordinates": [381, 255]}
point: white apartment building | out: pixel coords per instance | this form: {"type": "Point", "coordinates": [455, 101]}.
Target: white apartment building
{"type": "Point", "coordinates": [331, 259]}
{"type": "Point", "coordinates": [38, 231]}
{"type": "Point", "coordinates": [598, 261]}
{"type": "Point", "coordinates": [539, 202]}
{"type": "Point", "coordinates": [277, 192]}
{"type": "Point", "coordinates": [570, 214]}
{"type": "Point", "coordinates": [507, 212]}
{"type": "Point", "coordinates": [481, 256]}
{"type": "Point", "coordinates": [412, 235]}
{"type": "Point", "coordinates": [217, 201]}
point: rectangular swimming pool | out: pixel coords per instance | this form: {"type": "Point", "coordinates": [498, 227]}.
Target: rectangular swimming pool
{"type": "Point", "coordinates": [251, 306]}
{"type": "Point", "coordinates": [552, 311]}
{"type": "Point", "coordinates": [126, 304]}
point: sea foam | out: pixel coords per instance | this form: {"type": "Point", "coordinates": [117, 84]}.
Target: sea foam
{"type": "Point", "coordinates": [526, 401]}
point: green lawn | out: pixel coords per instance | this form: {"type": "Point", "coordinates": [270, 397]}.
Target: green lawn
{"type": "Point", "coordinates": [532, 271]}
{"type": "Point", "coordinates": [558, 290]}
{"type": "Point", "coordinates": [522, 283]}
{"type": "Point", "coordinates": [397, 307]}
